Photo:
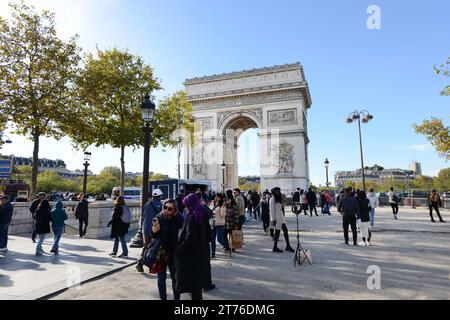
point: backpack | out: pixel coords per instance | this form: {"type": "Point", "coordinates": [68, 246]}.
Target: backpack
{"type": "Point", "coordinates": [396, 198]}
{"type": "Point", "coordinates": [127, 215]}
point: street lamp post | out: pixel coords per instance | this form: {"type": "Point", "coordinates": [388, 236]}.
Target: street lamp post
{"type": "Point", "coordinates": [223, 176]}
{"type": "Point", "coordinates": [327, 163]}
{"type": "Point", "coordinates": [148, 109]}
{"type": "Point", "coordinates": [192, 120]}
{"type": "Point", "coordinates": [366, 117]}
{"type": "Point", "coordinates": [87, 157]}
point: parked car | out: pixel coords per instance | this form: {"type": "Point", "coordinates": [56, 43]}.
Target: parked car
{"type": "Point", "coordinates": [445, 195]}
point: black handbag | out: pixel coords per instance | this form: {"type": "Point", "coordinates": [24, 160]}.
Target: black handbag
{"type": "Point", "coordinates": [151, 253]}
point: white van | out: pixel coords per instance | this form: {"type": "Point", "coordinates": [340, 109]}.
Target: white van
{"type": "Point", "coordinates": [129, 193]}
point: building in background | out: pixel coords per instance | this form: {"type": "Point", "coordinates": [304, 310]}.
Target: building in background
{"type": "Point", "coordinates": [416, 167]}
{"type": "Point", "coordinates": [47, 165]}
{"type": "Point", "coordinates": [375, 174]}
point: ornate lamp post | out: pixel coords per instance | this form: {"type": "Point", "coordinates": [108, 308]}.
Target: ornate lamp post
{"type": "Point", "coordinates": [223, 176]}
{"type": "Point", "coordinates": [148, 109]}
{"type": "Point", "coordinates": [189, 155]}
{"type": "Point", "coordinates": [327, 163]}
{"type": "Point", "coordinates": [366, 117]}
{"type": "Point", "coordinates": [87, 157]}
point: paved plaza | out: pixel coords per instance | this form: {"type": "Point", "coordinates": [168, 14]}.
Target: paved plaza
{"type": "Point", "coordinates": [412, 254]}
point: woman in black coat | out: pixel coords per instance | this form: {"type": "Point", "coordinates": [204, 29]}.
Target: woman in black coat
{"type": "Point", "coordinates": [42, 224]}
{"type": "Point", "coordinates": [119, 229]}
{"type": "Point", "coordinates": [191, 255]}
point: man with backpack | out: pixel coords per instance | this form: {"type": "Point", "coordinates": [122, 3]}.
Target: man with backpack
{"type": "Point", "coordinates": [82, 214]}
{"type": "Point", "coordinates": [393, 201]}
{"type": "Point", "coordinates": [151, 209]}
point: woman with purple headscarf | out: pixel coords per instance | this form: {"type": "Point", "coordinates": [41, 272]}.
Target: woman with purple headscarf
{"type": "Point", "coordinates": [191, 256]}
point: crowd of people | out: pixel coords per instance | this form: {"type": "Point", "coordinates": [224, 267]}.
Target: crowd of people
{"type": "Point", "coordinates": [182, 234]}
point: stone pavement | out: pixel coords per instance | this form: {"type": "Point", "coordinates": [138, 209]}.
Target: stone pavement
{"type": "Point", "coordinates": [24, 276]}
{"type": "Point", "coordinates": [412, 254]}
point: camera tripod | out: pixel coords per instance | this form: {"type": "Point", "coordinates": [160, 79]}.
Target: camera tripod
{"type": "Point", "coordinates": [299, 250]}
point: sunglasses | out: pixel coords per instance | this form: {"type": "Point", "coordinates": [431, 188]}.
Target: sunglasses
{"type": "Point", "coordinates": [170, 209]}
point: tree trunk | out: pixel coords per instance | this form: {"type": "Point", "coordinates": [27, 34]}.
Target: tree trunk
{"type": "Point", "coordinates": [35, 165]}
{"type": "Point", "coordinates": [122, 169]}
{"type": "Point", "coordinates": [178, 158]}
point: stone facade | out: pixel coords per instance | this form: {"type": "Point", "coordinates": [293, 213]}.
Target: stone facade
{"type": "Point", "coordinates": [275, 100]}
{"type": "Point", "coordinates": [99, 216]}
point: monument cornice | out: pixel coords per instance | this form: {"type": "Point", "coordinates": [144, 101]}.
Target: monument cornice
{"type": "Point", "coordinates": [231, 98]}
{"type": "Point", "coordinates": [244, 73]}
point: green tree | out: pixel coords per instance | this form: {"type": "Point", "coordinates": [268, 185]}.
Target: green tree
{"type": "Point", "coordinates": [442, 181]}
{"type": "Point", "coordinates": [444, 70]}
{"type": "Point", "coordinates": [111, 87]}
{"type": "Point", "coordinates": [437, 134]}
{"type": "Point", "coordinates": [37, 72]}
{"type": "Point", "coordinates": [113, 171]}
{"type": "Point", "coordinates": [22, 173]}
{"type": "Point", "coordinates": [172, 125]}
{"type": "Point", "coordinates": [423, 183]}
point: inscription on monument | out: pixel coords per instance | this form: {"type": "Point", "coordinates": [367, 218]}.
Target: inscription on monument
{"type": "Point", "coordinates": [284, 117]}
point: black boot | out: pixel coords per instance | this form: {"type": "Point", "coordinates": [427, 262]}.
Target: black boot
{"type": "Point", "coordinates": [286, 238]}
{"type": "Point", "coordinates": [275, 241]}
{"type": "Point", "coordinates": [271, 232]}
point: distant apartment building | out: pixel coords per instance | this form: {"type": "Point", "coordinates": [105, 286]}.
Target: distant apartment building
{"type": "Point", "coordinates": [48, 165]}
{"type": "Point", "coordinates": [416, 167]}
{"type": "Point", "coordinates": [375, 174]}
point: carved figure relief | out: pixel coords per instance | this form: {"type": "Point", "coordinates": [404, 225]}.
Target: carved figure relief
{"type": "Point", "coordinates": [284, 153]}
{"type": "Point", "coordinates": [284, 117]}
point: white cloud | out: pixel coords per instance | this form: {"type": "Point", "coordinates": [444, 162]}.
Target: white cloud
{"type": "Point", "coordinates": [413, 147]}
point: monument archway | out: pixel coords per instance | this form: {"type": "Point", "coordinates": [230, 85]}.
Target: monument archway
{"type": "Point", "coordinates": [275, 100]}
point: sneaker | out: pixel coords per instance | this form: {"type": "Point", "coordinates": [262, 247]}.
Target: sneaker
{"type": "Point", "coordinates": [139, 268]}
{"type": "Point", "coordinates": [3, 249]}
{"type": "Point", "coordinates": [112, 254]}
{"type": "Point", "coordinates": [395, 217]}
{"type": "Point", "coordinates": [368, 243]}
{"type": "Point", "coordinates": [362, 243]}
{"type": "Point", "coordinates": [38, 254]}
{"type": "Point", "coordinates": [289, 249]}
{"type": "Point", "coordinates": [123, 255]}
{"type": "Point", "coordinates": [355, 244]}
{"type": "Point", "coordinates": [277, 250]}
{"type": "Point", "coordinates": [32, 240]}
{"type": "Point", "coordinates": [213, 257]}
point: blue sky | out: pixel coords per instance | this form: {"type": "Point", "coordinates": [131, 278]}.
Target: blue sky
{"type": "Point", "coordinates": [388, 72]}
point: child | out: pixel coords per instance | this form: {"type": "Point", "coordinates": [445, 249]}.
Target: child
{"type": "Point", "coordinates": [58, 215]}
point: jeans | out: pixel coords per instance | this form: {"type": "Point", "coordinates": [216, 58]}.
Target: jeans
{"type": "Point", "coordinates": [220, 231]}
{"type": "Point", "coordinates": [161, 279]}
{"type": "Point", "coordinates": [311, 207]}
{"type": "Point", "coordinates": [372, 217]}
{"type": "Point", "coordinates": [58, 233]}
{"type": "Point", "coordinates": [33, 230]}
{"type": "Point", "coordinates": [41, 238]}
{"type": "Point", "coordinates": [4, 235]}
{"type": "Point", "coordinates": [241, 221]}
{"type": "Point", "coordinates": [257, 212]}
{"type": "Point", "coordinates": [213, 241]}
{"type": "Point", "coordinates": [81, 222]}
{"type": "Point", "coordinates": [326, 208]}
{"type": "Point", "coordinates": [349, 220]}
{"type": "Point", "coordinates": [394, 207]}
{"type": "Point", "coordinates": [123, 242]}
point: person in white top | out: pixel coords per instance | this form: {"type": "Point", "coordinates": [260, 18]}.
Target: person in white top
{"type": "Point", "coordinates": [278, 220]}
{"type": "Point", "coordinates": [393, 201]}
{"type": "Point", "coordinates": [374, 202]}
{"type": "Point", "coordinates": [219, 211]}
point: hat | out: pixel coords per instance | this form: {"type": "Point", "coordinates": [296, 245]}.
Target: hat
{"type": "Point", "coordinates": [42, 194]}
{"type": "Point", "coordinates": [157, 193]}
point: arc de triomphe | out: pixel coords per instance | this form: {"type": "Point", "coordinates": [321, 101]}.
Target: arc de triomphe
{"type": "Point", "coordinates": [273, 99]}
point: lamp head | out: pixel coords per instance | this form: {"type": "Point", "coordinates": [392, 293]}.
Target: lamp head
{"type": "Point", "coordinates": [87, 156]}
{"type": "Point", "coordinates": [327, 163]}
{"type": "Point", "coordinates": [147, 109]}
{"type": "Point", "coordinates": [349, 120]}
